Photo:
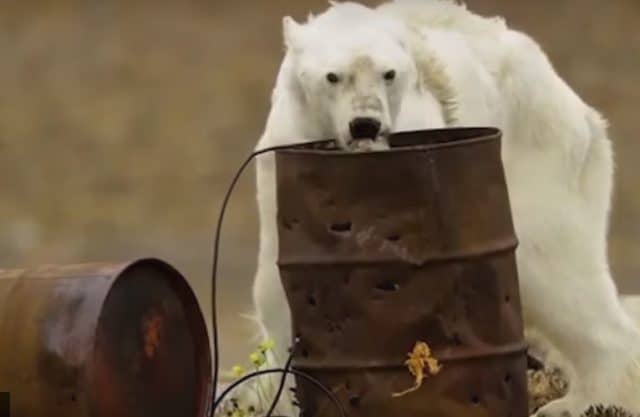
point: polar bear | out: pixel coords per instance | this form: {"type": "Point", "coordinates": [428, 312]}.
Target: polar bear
{"type": "Point", "coordinates": [355, 73]}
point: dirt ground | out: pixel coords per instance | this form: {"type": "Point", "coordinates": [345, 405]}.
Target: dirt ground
{"type": "Point", "coordinates": [121, 123]}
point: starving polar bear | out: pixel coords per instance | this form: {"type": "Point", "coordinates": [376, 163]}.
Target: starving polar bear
{"type": "Point", "coordinates": [356, 74]}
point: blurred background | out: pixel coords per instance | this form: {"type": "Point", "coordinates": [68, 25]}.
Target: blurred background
{"type": "Point", "coordinates": [122, 122]}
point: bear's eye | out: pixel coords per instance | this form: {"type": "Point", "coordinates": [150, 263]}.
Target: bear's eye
{"type": "Point", "coordinates": [389, 75]}
{"type": "Point", "coordinates": [333, 78]}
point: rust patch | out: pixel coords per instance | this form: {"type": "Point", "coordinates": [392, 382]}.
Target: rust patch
{"type": "Point", "coordinates": [152, 329]}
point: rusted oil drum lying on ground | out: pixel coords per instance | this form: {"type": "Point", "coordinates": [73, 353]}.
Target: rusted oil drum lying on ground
{"type": "Point", "coordinates": [103, 340]}
{"type": "Point", "coordinates": [380, 250]}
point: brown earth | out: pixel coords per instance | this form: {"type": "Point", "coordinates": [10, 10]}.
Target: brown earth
{"type": "Point", "coordinates": [121, 123]}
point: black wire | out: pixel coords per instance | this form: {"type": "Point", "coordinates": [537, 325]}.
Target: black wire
{"type": "Point", "coordinates": [293, 371]}
{"type": "Point", "coordinates": [214, 273]}
{"type": "Point", "coordinates": [283, 379]}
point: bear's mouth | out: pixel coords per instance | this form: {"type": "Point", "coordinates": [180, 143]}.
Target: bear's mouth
{"type": "Point", "coordinates": [380, 143]}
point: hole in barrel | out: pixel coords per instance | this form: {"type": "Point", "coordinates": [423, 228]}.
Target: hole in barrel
{"type": "Point", "coordinates": [311, 300]}
{"type": "Point", "coordinates": [475, 399]}
{"type": "Point", "coordinates": [507, 298]}
{"type": "Point", "coordinates": [388, 286]}
{"type": "Point", "coordinates": [296, 342]}
{"type": "Point", "coordinates": [393, 237]}
{"type": "Point", "coordinates": [286, 224]}
{"type": "Point", "coordinates": [354, 400]}
{"type": "Point", "coordinates": [341, 227]}
{"type": "Point", "coordinates": [507, 378]}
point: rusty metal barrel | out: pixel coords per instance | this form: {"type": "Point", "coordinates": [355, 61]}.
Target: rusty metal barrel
{"type": "Point", "coordinates": [379, 250]}
{"type": "Point", "coordinates": [103, 340]}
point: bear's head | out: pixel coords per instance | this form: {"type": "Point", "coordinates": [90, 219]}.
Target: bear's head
{"type": "Point", "coordinates": [352, 71]}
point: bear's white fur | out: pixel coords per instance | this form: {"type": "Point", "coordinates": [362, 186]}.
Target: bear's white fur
{"type": "Point", "coordinates": [455, 68]}
{"type": "Point", "coordinates": [631, 304]}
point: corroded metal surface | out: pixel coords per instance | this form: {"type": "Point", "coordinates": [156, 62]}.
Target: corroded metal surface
{"type": "Point", "coordinates": [379, 250]}
{"type": "Point", "coordinates": [100, 340]}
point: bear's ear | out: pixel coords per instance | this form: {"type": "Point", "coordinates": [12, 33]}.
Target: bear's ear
{"type": "Point", "coordinates": [293, 32]}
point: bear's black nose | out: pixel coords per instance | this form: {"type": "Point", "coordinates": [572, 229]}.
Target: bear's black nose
{"type": "Point", "coordinates": [364, 128]}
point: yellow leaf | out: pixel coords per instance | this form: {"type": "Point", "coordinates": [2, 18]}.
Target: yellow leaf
{"type": "Point", "coordinates": [238, 371]}
{"type": "Point", "coordinates": [267, 345]}
{"type": "Point", "coordinates": [420, 361]}
{"type": "Point", "coordinates": [257, 358]}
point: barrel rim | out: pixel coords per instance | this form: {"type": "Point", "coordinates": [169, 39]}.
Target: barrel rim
{"type": "Point", "coordinates": [449, 137]}
{"type": "Point", "coordinates": [207, 371]}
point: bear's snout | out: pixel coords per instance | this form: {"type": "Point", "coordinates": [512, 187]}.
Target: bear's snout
{"type": "Point", "coordinates": [364, 128]}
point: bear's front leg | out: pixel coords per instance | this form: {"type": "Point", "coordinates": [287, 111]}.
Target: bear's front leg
{"type": "Point", "coordinates": [569, 297]}
{"type": "Point", "coordinates": [275, 323]}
